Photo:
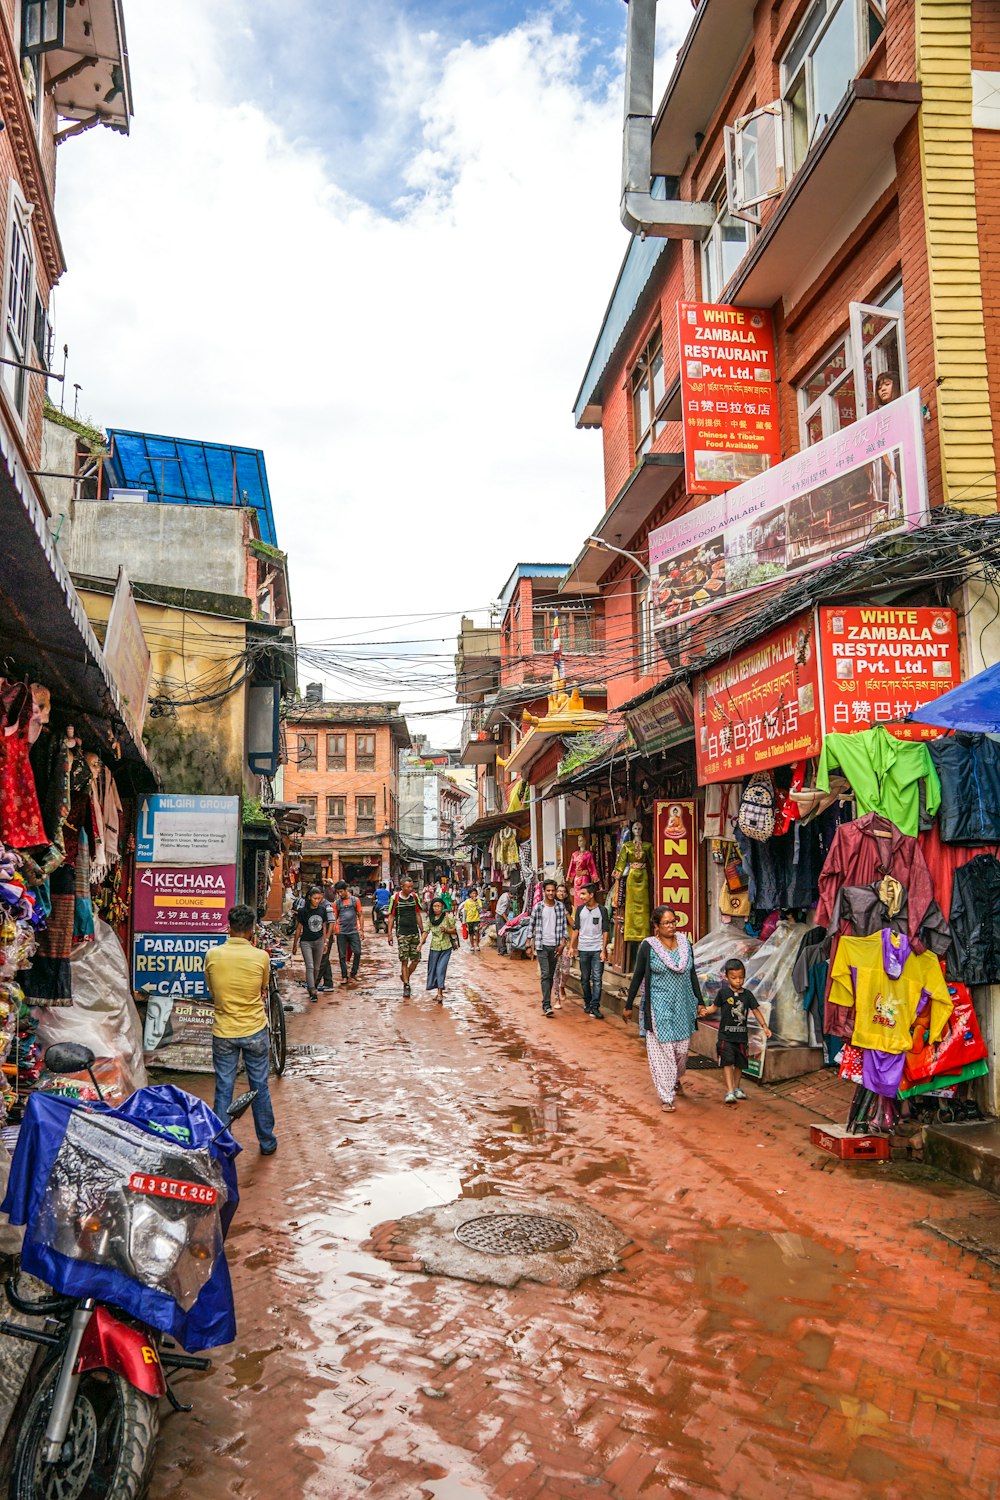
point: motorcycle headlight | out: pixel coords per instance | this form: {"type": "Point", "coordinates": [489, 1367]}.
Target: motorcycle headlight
{"type": "Point", "coordinates": [155, 1243]}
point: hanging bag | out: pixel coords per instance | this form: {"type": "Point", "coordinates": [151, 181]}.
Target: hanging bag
{"type": "Point", "coordinates": [757, 807]}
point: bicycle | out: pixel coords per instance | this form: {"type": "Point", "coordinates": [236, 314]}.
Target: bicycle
{"type": "Point", "coordinates": [276, 1030]}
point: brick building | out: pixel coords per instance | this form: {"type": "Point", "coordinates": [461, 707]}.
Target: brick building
{"type": "Point", "coordinates": [343, 769]}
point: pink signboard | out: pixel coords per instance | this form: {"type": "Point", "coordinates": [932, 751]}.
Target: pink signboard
{"type": "Point", "coordinates": [861, 484]}
{"type": "Point", "coordinates": [169, 898]}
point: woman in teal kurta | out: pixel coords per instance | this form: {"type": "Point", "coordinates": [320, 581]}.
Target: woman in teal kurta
{"type": "Point", "coordinates": [664, 968]}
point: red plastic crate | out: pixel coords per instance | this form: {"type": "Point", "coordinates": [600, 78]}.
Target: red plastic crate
{"type": "Point", "coordinates": [836, 1140]}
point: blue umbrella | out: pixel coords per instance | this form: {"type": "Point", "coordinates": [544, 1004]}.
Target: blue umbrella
{"type": "Point", "coordinates": [973, 705]}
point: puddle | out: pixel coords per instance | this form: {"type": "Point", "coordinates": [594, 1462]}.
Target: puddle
{"type": "Point", "coordinates": [772, 1278]}
{"type": "Point", "coordinates": [618, 1166]}
{"type": "Point", "coordinates": [248, 1369]}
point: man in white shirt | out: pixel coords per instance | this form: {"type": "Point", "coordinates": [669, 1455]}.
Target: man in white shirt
{"type": "Point", "coordinates": [591, 926]}
{"type": "Point", "coordinates": [502, 908]}
{"type": "Point", "coordinates": [548, 939]}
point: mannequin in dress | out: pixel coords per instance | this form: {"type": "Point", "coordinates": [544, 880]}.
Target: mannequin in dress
{"type": "Point", "coordinates": [635, 861]}
{"type": "Point", "coordinates": [582, 870]}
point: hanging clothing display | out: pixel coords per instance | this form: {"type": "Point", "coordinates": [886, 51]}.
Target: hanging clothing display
{"type": "Point", "coordinates": [635, 863]}
{"type": "Point", "coordinates": [887, 983]}
{"type": "Point", "coordinates": [975, 921]}
{"type": "Point", "coordinates": [968, 768]}
{"type": "Point", "coordinates": [864, 909]}
{"type": "Point", "coordinates": [867, 850]}
{"type": "Point", "coordinates": [884, 774]}
{"type": "Point", "coordinates": [581, 873]}
{"type": "Point", "coordinates": [944, 859]}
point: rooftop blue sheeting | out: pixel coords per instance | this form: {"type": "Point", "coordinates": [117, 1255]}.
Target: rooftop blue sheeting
{"type": "Point", "coordinates": [185, 471]}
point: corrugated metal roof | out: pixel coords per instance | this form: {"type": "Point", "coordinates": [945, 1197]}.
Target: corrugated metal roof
{"type": "Point", "coordinates": [641, 258]}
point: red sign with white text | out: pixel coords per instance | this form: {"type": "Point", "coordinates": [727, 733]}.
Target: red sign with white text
{"type": "Point", "coordinates": [880, 664]}
{"type": "Point", "coordinates": [760, 708]}
{"type": "Point", "coordinates": [729, 395]}
{"type": "Point", "coordinates": [675, 862]}
{"type": "Point", "coordinates": [171, 1187]}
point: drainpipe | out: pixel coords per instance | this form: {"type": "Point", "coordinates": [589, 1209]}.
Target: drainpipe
{"type": "Point", "coordinates": [641, 213]}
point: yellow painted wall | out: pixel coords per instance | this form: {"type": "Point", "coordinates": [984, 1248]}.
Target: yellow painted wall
{"type": "Point", "coordinates": [944, 68]}
{"type": "Point", "coordinates": [200, 747]}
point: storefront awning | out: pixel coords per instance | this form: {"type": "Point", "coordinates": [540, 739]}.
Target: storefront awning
{"type": "Point", "coordinates": [44, 628]}
{"type": "Point", "coordinates": [485, 827]}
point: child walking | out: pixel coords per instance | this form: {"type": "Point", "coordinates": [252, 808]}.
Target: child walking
{"type": "Point", "coordinates": [734, 1004]}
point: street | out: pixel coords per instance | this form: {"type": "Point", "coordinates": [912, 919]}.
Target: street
{"type": "Point", "coordinates": [782, 1325]}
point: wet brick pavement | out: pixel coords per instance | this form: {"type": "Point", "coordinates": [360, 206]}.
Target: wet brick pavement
{"type": "Point", "coordinates": [783, 1326]}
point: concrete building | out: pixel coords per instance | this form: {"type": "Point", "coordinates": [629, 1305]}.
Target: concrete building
{"type": "Point", "coordinates": [343, 768]}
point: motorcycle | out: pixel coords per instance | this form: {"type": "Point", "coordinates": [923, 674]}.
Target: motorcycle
{"type": "Point", "coordinates": [380, 918]}
{"type": "Point", "coordinates": [131, 1210]}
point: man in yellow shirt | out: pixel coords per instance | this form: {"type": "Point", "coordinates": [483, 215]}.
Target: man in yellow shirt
{"type": "Point", "coordinates": [237, 974]}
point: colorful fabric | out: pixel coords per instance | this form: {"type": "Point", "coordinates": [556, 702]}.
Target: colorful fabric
{"type": "Point", "coordinates": [21, 823]}
{"type": "Point", "coordinates": [884, 774]}
{"type": "Point", "coordinates": [863, 852]}
{"type": "Point", "coordinates": [667, 1063]}
{"type": "Point", "coordinates": [887, 1006]}
{"type": "Point", "coordinates": [672, 995]}
{"type": "Point", "coordinates": [882, 1072]}
{"type": "Point", "coordinates": [441, 934]}
{"type": "Point", "coordinates": [852, 1063]}
{"type": "Point", "coordinates": [634, 862]}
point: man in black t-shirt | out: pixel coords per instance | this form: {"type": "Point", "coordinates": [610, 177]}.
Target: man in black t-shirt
{"type": "Point", "coordinates": [406, 923]}
{"type": "Point", "coordinates": [734, 1004]}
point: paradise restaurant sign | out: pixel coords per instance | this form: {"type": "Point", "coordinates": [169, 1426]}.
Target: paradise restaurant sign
{"type": "Point", "coordinates": [864, 483]}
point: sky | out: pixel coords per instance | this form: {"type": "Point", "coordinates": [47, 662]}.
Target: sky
{"type": "Point", "coordinates": [377, 242]}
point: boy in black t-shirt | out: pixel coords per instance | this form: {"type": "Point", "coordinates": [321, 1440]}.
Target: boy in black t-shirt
{"type": "Point", "coordinates": [733, 1005]}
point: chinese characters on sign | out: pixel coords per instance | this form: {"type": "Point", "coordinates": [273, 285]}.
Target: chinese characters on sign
{"type": "Point", "coordinates": [881, 664]}
{"type": "Point", "coordinates": [863, 483]}
{"type": "Point", "coordinates": [728, 394]}
{"type": "Point", "coordinates": [675, 862]}
{"type": "Point", "coordinates": [761, 708]}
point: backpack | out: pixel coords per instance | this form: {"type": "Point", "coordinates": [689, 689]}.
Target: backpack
{"type": "Point", "coordinates": [755, 818]}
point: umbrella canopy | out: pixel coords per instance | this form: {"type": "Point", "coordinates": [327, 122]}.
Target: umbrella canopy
{"type": "Point", "coordinates": [973, 705]}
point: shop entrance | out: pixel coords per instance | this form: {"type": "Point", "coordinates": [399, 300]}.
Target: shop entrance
{"type": "Point", "coordinates": [363, 876]}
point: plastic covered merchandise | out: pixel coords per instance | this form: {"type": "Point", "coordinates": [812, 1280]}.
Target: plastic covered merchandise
{"type": "Point", "coordinates": [711, 952]}
{"type": "Point", "coordinates": [769, 975]}
{"type": "Point", "coordinates": [130, 1206]}
{"type": "Point", "coordinates": [102, 1017]}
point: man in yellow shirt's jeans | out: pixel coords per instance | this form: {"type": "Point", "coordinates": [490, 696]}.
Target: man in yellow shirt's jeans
{"type": "Point", "coordinates": [237, 974]}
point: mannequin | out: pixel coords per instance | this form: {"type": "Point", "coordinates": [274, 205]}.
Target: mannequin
{"type": "Point", "coordinates": [635, 861]}
{"type": "Point", "coordinates": [582, 870]}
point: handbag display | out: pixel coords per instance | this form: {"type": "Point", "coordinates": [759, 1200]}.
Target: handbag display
{"type": "Point", "coordinates": [734, 903]}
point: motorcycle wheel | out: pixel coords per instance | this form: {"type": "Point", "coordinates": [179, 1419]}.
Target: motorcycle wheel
{"type": "Point", "coordinates": [109, 1449]}
{"type": "Point", "coordinates": [277, 1033]}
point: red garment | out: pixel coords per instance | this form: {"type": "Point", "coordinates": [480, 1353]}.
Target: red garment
{"type": "Point", "coordinates": [21, 823]}
{"type": "Point", "coordinates": [944, 859]}
{"type": "Point", "coordinates": [961, 1042]}
{"type": "Point", "coordinates": [864, 851]}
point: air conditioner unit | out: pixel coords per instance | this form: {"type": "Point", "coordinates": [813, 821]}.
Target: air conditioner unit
{"type": "Point", "coordinates": [755, 159]}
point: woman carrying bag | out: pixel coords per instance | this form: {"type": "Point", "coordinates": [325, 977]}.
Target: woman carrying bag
{"type": "Point", "coordinates": [441, 931]}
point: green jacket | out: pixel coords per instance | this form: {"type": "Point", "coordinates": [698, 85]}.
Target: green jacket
{"type": "Point", "coordinates": [884, 773]}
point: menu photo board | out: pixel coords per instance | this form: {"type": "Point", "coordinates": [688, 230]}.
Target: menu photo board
{"type": "Point", "coordinates": [860, 485]}
{"type": "Point", "coordinates": [728, 394]}
{"type": "Point", "coordinates": [675, 862]}
{"type": "Point", "coordinates": [761, 708]}
{"type": "Point", "coordinates": [879, 664]}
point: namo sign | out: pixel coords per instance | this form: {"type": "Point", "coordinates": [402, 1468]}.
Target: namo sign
{"type": "Point", "coordinates": [675, 861]}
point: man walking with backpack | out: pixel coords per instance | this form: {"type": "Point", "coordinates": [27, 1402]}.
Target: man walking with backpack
{"type": "Point", "coordinates": [349, 927]}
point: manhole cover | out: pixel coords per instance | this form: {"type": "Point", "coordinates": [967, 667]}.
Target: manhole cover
{"type": "Point", "coordinates": [515, 1234]}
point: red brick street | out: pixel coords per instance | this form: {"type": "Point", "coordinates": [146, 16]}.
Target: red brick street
{"type": "Point", "coordinates": [784, 1325]}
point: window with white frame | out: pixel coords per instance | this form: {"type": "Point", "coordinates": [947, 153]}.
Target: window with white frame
{"type": "Point", "coordinates": [644, 656]}
{"type": "Point", "coordinates": [825, 54]}
{"type": "Point", "coordinates": [863, 370]}
{"type": "Point", "coordinates": [724, 247]}
{"type": "Point", "coordinates": [18, 303]}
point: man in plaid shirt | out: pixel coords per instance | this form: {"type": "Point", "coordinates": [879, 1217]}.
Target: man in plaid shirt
{"type": "Point", "coordinates": [548, 939]}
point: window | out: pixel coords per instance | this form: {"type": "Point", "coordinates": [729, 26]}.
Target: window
{"type": "Point", "coordinates": [365, 814]}
{"type": "Point", "coordinates": [336, 814]}
{"type": "Point", "coordinates": [364, 752]}
{"type": "Point", "coordinates": [843, 386]}
{"type": "Point", "coordinates": [541, 640]}
{"type": "Point", "coordinates": [648, 384]}
{"type": "Point", "coordinates": [727, 242]}
{"type": "Point", "coordinates": [336, 752]}
{"type": "Point", "coordinates": [578, 630]}
{"type": "Point", "coordinates": [828, 49]}
{"type": "Point", "coordinates": [643, 628]}
{"type": "Point", "coordinates": [308, 804]}
{"type": "Point", "coordinates": [18, 304]}
{"type": "Point", "coordinates": [307, 752]}
{"type": "Point", "coordinates": [43, 27]}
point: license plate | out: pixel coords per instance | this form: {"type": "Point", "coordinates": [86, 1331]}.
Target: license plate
{"type": "Point", "coordinates": [170, 1187]}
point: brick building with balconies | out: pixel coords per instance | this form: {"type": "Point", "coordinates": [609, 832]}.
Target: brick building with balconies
{"type": "Point", "coordinates": [343, 770]}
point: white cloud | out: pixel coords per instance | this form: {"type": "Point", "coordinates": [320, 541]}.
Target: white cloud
{"type": "Point", "coordinates": [409, 374]}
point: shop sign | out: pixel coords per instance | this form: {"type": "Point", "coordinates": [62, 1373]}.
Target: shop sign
{"type": "Point", "coordinates": [760, 708]}
{"type": "Point", "coordinates": [171, 899]}
{"type": "Point", "coordinates": [667, 719]}
{"type": "Point", "coordinates": [728, 394]}
{"type": "Point", "coordinates": [127, 654]}
{"type": "Point", "coordinates": [176, 830]}
{"type": "Point", "coordinates": [864, 483]}
{"type": "Point", "coordinates": [675, 861]}
{"type": "Point", "coordinates": [178, 1034]}
{"type": "Point", "coordinates": [881, 664]}
{"type": "Point", "coordinates": [168, 965]}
